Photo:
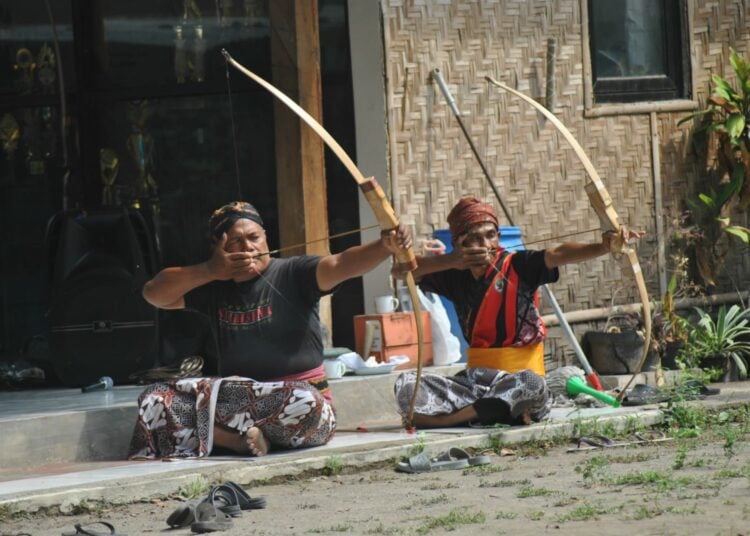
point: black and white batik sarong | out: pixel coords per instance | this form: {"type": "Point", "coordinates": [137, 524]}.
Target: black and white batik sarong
{"type": "Point", "coordinates": [442, 395]}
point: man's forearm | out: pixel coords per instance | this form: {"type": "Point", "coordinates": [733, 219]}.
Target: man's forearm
{"type": "Point", "coordinates": [434, 263]}
{"type": "Point", "coordinates": [572, 252]}
{"type": "Point", "coordinates": [170, 285]}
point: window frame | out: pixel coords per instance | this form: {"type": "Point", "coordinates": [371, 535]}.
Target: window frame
{"type": "Point", "coordinates": [642, 94]}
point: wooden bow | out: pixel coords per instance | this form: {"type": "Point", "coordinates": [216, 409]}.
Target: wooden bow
{"type": "Point", "coordinates": [602, 204]}
{"type": "Point", "coordinates": [377, 200]}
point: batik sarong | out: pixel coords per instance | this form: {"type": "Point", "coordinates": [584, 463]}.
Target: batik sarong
{"type": "Point", "coordinates": [177, 418]}
{"type": "Point", "coordinates": [442, 395]}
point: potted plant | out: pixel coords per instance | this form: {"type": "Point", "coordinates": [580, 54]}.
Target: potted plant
{"type": "Point", "coordinates": [720, 344]}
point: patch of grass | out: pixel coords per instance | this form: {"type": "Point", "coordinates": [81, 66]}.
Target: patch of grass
{"type": "Point", "coordinates": [506, 515]}
{"type": "Point", "coordinates": [342, 527]}
{"type": "Point", "coordinates": [333, 465]}
{"type": "Point", "coordinates": [728, 473]}
{"type": "Point", "coordinates": [419, 447]}
{"type": "Point", "coordinates": [432, 486]}
{"type": "Point", "coordinates": [427, 501]}
{"type": "Point", "coordinates": [638, 457]}
{"type": "Point", "coordinates": [486, 469]}
{"type": "Point", "coordinates": [595, 468]}
{"type": "Point", "coordinates": [566, 500]}
{"type": "Point", "coordinates": [531, 491]}
{"type": "Point", "coordinates": [382, 529]}
{"type": "Point", "coordinates": [452, 520]}
{"type": "Point", "coordinates": [504, 483]}
{"type": "Point", "coordinates": [730, 434]}
{"type": "Point", "coordinates": [194, 489]}
{"type": "Point", "coordinates": [586, 512]}
{"type": "Point", "coordinates": [535, 515]}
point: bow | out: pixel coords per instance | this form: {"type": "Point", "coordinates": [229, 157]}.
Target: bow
{"type": "Point", "coordinates": [375, 196]}
{"type": "Point", "coordinates": [602, 203]}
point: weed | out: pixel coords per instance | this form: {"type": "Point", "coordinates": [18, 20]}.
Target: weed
{"type": "Point", "coordinates": [585, 512]}
{"type": "Point", "coordinates": [194, 489]}
{"type": "Point", "coordinates": [679, 460]}
{"type": "Point", "coordinates": [535, 515]}
{"type": "Point", "coordinates": [420, 446]}
{"type": "Point", "coordinates": [333, 466]}
{"type": "Point", "coordinates": [531, 491]}
{"type": "Point", "coordinates": [730, 435]}
{"type": "Point", "coordinates": [452, 520]}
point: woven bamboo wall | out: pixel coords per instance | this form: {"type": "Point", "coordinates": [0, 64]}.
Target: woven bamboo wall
{"type": "Point", "coordinates": [431, 165]}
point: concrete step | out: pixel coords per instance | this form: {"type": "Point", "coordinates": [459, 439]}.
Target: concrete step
{"type": "Point", "coordinates": [50, 426]}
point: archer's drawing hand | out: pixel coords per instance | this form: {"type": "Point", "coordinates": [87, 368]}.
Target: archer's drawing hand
{"type": "Point", "coordinates": [466, 258]}
{"type": "Point", "coordinates": [224, 265]}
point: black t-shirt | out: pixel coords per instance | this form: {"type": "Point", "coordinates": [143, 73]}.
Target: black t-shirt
{"type": "Point", "coordinates": [268, 327]}
{"type": "Point", "coordinates": [467, 293]}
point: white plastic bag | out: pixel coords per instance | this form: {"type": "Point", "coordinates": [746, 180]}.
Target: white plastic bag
{"type": "Point", "coordinates": [446, 348]}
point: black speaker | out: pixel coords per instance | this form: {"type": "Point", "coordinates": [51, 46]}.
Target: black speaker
{"type": "Point", "coordinates": [99, 323]}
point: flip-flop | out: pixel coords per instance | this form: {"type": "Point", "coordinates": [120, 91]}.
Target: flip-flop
{"type": "Point", "coordinates": [456, 453]}
{"type": "Point", "coordinates": [209, 518]}
{"type": "Point", "coordinates": [225, 498]}
{"type": "Point", "coordinates": [183, 515]}
{"type": "Point", "coordinates": [246, 502]}
{"type": "Point", "coordinates": [87, 530]}
{"type": "Point", "coordinates": [421, 463]}
{"type": "Point", "coordinates": [642, 394]}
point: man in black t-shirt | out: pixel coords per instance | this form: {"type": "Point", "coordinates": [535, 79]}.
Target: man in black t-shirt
{"type": "Point", "coordinates": [264, 312]}
{"type": "Point", "coordinates": [495, 294]}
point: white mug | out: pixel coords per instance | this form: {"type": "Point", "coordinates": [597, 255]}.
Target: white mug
{"type": "Point", "coordinates": [385, 304]}
{"type": "Point", "coordinates": [335, 368]}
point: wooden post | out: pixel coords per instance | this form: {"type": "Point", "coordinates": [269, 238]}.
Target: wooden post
{"type": "Point", "coordinates": [300, 167]}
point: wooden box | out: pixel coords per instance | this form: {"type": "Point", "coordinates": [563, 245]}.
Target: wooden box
{"type": "Point", "coordinates": [397, 336]}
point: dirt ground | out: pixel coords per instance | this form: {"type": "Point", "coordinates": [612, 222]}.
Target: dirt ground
{"type": "Point", "coordinates": [680, 487]}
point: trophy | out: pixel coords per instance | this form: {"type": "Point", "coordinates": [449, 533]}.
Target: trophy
{"type": "Point", "coordinates": [25, 65]}
{"type": "Point", "coordinates": [180, 56]}
{"type": "Point", "coordinates": [45, 71]}
{"type": "Point", "coordinates": [109, 165]}
{"type": "Point", "coordinates": [10, 133]}
{"type": "Point", "coordinates": [140, 145]}
{"type": "Point", "coordinates": [199, 51]}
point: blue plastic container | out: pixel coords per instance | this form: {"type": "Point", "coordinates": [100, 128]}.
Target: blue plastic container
{"type": "Point", "coordinates": [510, 239]}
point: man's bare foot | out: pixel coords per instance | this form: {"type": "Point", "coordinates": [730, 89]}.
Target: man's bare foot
{"type": "Point", "coordinates": [256, 441]}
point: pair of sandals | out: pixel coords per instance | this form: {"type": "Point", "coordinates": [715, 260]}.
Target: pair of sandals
{"type": "Point", "coordinates": [216, 512]}
{"type": "Point", "coordinates": [453, 458]}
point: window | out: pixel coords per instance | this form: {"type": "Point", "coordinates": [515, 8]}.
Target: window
{"type": "Point", "coordinates": [639, 50]}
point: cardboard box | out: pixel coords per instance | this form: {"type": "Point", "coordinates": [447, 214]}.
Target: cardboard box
{"type": "Point", "coordinates": [394, 334]}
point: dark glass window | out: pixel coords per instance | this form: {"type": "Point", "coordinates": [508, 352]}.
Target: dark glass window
{"type": "Point", "coordinates": [639, 50]}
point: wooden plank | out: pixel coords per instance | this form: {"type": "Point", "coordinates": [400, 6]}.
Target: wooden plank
{"type": "Point", "coordinates": [300, 168]}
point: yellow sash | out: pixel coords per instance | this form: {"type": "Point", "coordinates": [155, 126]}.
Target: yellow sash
{"type": "Point", "coordinates": [510, 359]}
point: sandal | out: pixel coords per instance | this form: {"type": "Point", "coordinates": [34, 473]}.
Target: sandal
{"type": "Point", "coordinates": [209, 518]}
{"type": "Point", "coordinates": [183, 515]}
{"type": "Point", "coordinates": [456, 453]}
{"type": "Point", "coordinates": [86, 530]}
{"type": "Point", "coordinates": [245, 501]}
{"type": "Point", "coordinates": [421, 463]}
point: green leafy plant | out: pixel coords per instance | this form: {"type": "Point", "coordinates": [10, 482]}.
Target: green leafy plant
{"type": "Point", "coordinates": [727, 337]}
{"type": "Point", "coordinates": [726, 122]}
